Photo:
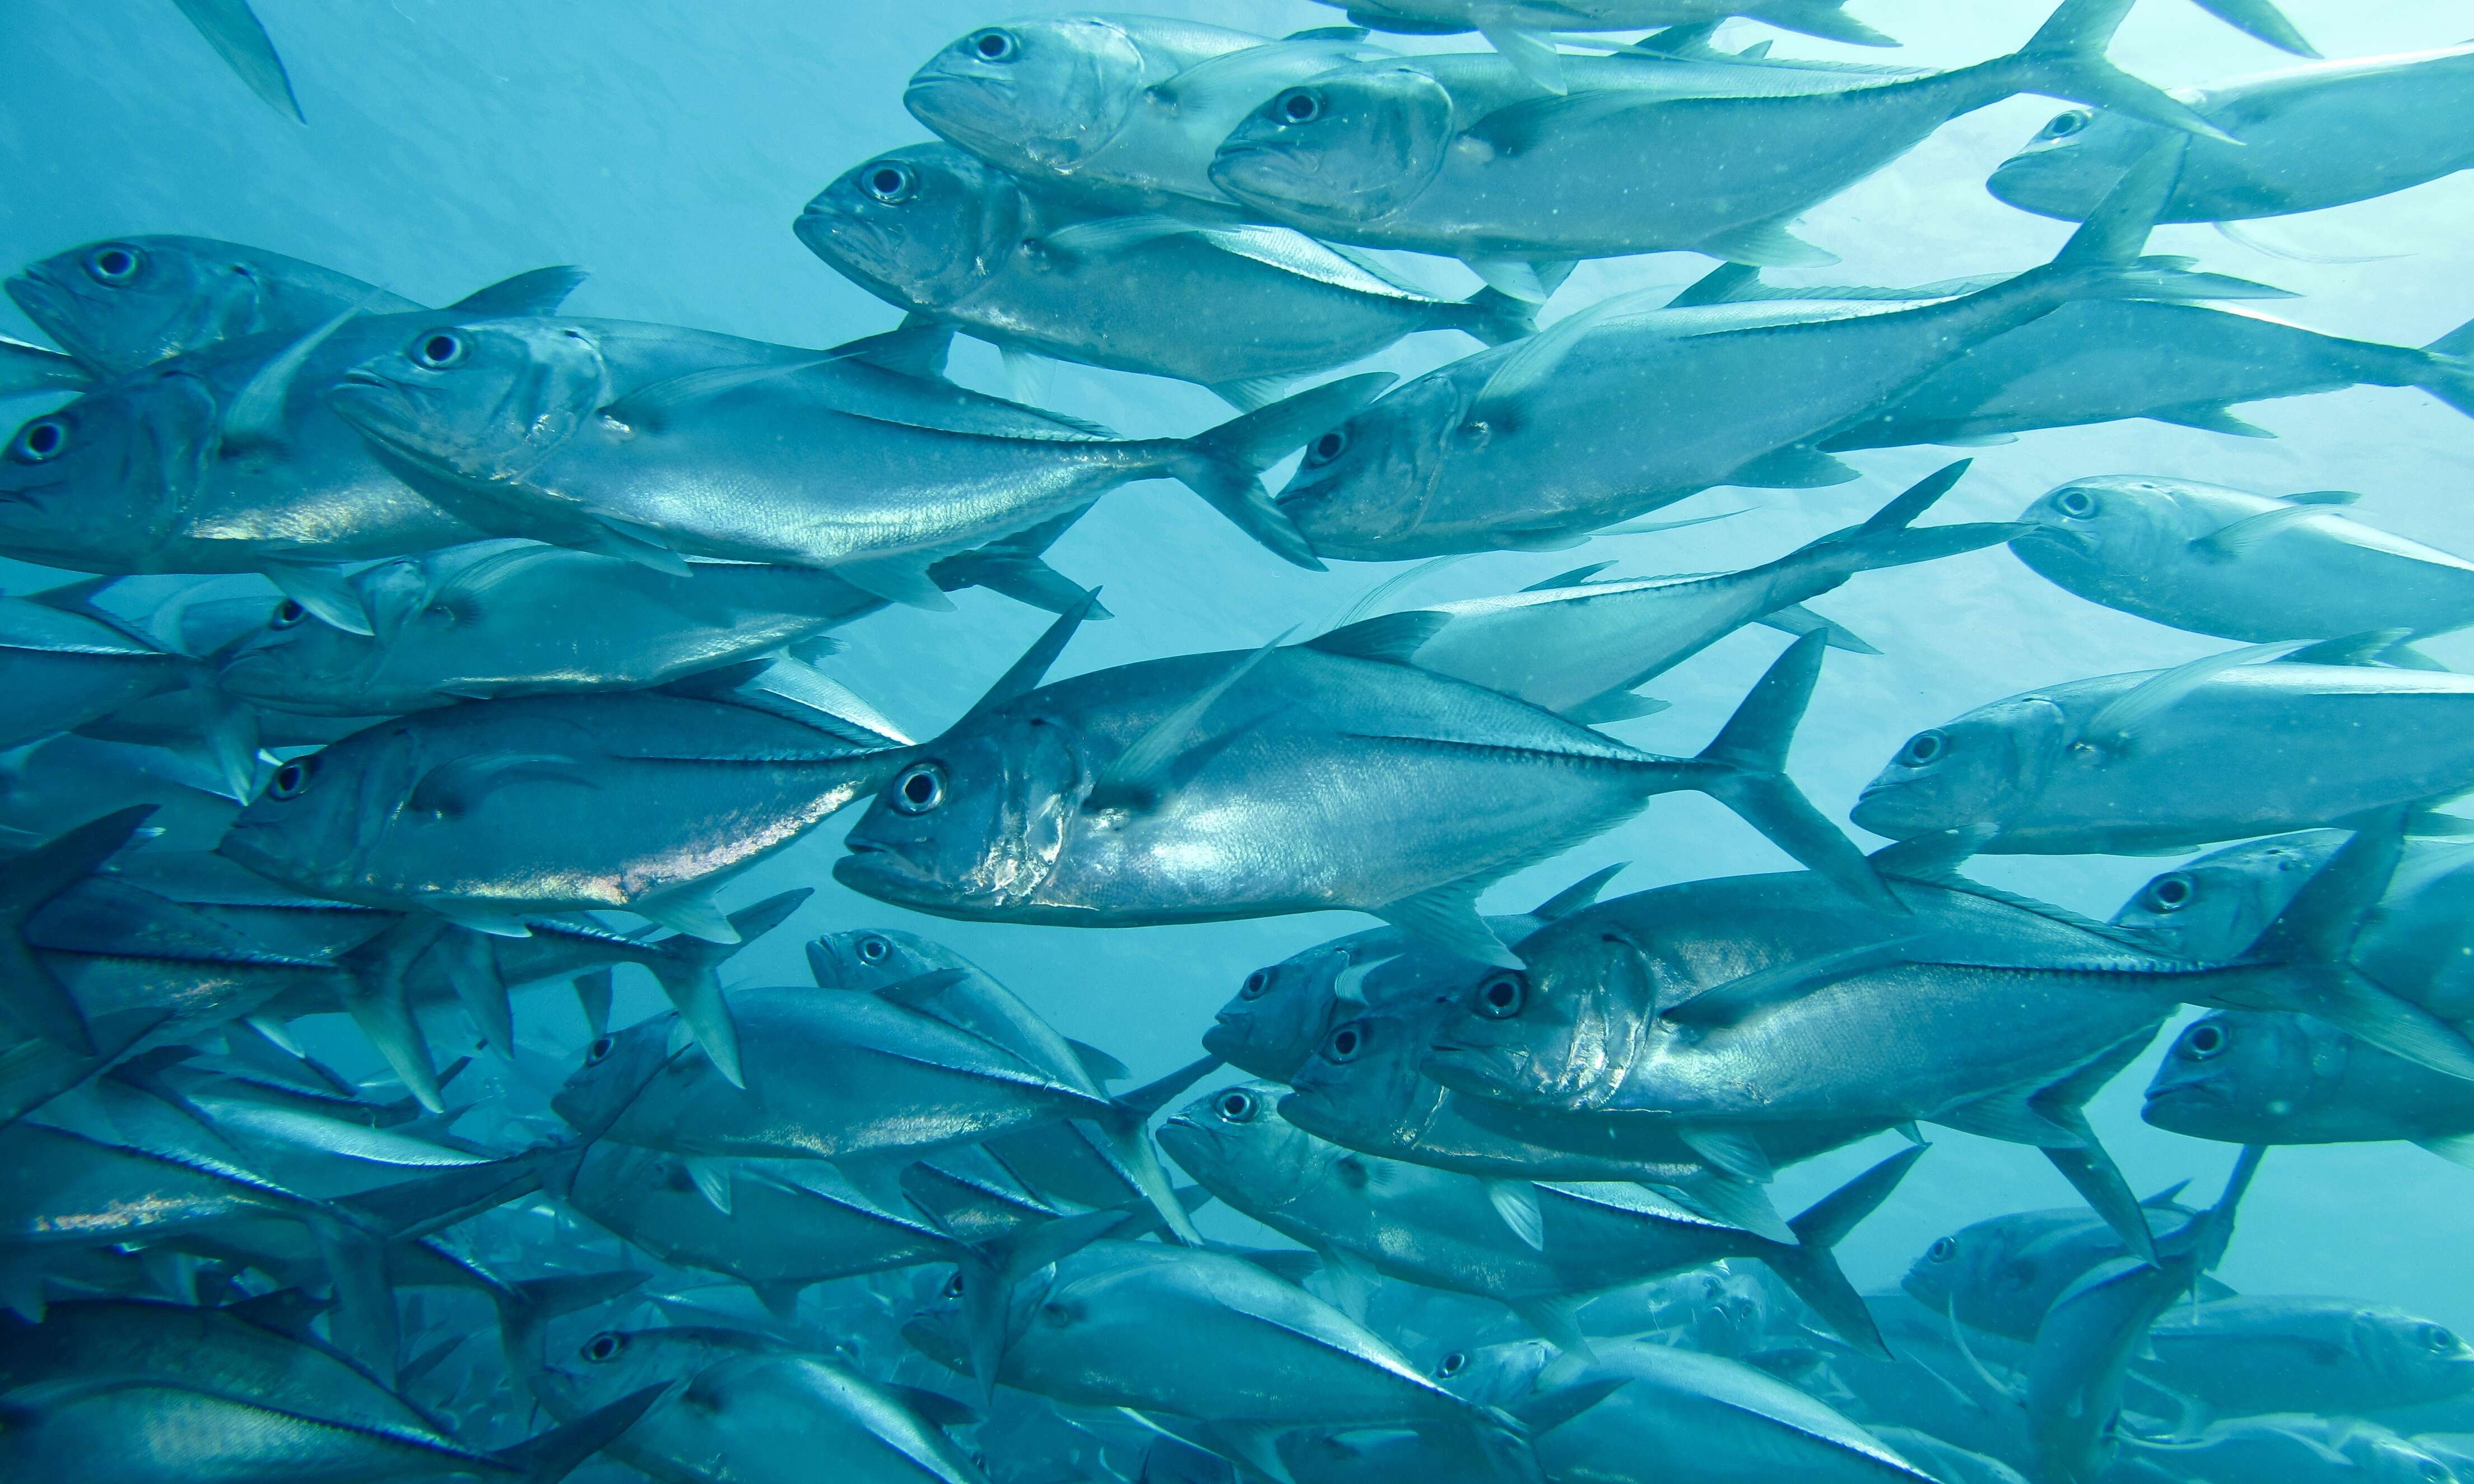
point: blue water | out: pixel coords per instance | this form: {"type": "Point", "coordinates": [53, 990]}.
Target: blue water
{"type": "Point", "coordinates": [668, 144]}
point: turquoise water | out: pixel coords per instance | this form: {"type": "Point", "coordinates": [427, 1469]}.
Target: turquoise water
{"type": "Point", "coordinates": [667, 145]}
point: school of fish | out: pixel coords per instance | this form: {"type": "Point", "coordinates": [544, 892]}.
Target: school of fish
{"type": "Point", "coordinates": [509, 653]}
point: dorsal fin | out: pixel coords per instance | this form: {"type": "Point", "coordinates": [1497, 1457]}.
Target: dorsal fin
{"type": "Point", "coordinates": [1026, 673]}
{"type": "Point", "coordinates": [1579, 895]}
{"type": "Point", "coordinates": [540, 291]}
{"type": "Point", "coordinates": [1392, 639]}
{"type": "Point", "coordinates": [255, 416]}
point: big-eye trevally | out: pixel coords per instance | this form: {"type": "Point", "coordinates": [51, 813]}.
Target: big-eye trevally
{"type": "Point", "coordinates": [2161, 761]}
{"type": "Point", "coordinates": [1520, 28]}
{"type": "Point", "coordinates": [2251, 1355]}
{"type": "Point", "coordinates": [2219, 561]}
{"type": "Point", "coordinates": [58, 784]}
{"type": "Point", "coordinates": [1116, 114]}
{"type": "Point", "coordinates": [2285, 1078]}
{"type": "Point", "coordinates": [2312, 137]}
{"type": "Point", "coordinates": [1459, 155]}
{"type": "Point", "coordinates": [2305, 1445]}
{"type": "Point", "coordinates": [1137, 794]}
{"type": "Point", "coordinates": [65, 661]}
{"type": "Point", "coordinates": [935, 232]}
{"type": "Point", "coordinates": [2001, 1274]}
{"type": "Point", "coordinates": [553, 432]}
{"type": "Point", "coordinates": [1620, 409]}
{"type": "Point", "coordinates": [123, 303]}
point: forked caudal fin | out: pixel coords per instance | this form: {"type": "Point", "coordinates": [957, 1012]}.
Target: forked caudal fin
{"type": "Point", "coordinates": [2065, 58]}
{"type": "Point", "coordinates": [1811, 1268]}
{"type": "Point", "coordinates": [1225, 463]}
{"type": "Point", "coordinates": [688, 968]}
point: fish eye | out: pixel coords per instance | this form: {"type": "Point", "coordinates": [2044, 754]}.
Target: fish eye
{"type": "Point", "coordinates": [1922, 749]}
{"type": "Point", "coordinates": [994, 45]}
{"type": "Point", "coordinates": [2065, 124]}
{"type": "Point", "coordinates": [438, 350]}
{"type": "Point", "coordinates": [1237, 1106]}
{"type": "Point", "coordinates": [1330, 446]}
{"type": "Point", "coordinates": [953, 1288]}
{"type": "Point", "coordinates": [889, 182]}
{"type": "Point", "coordinates": [2437, 1340]}
{"type": "Point", "coordinates": [1943, 1249]}
{"type": "Point", "coordinates": [604, 1346]}
{"type": "Point", "coordinates": [1298, 106]}
{"type": "Point", "coordinates": [287, 613]}
{"type": "Point", "coordinates": [1503, 997]}
{"type": "Point", "coordinates": [41, 439]}
{"type": "Point", "coordinates": [1453, 1364]}
{"type": "Point", "coordinates": [1344, 1043]}
{"type": "Point", "coordinates": [2077, 504]}
{"type": "Point", "coordinates": [2170, 892]}
{"type": "Point", "coordinates": [873, 949]}
{"type": "Point", "coordinates": [114, 264]}
{"type": "Point", "coordinates": [601, 1048]}
{"type": "Point", "coordinates": [291, 779]}
{"type": "Point", "coordinates": [920, 788]}
{"type": "Point", "coordinates": [2203, 1041]}
{"type": "Point", "coordinates": [2433, 1473]}
{"type": "Point", "coordinates": [1255, 985]}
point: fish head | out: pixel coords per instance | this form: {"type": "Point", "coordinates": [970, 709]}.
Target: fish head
{"type": "Point", "coordinates": [1986, 1263]}
{"type": "Point", "coordinates": [1364, 1075]}
{"type": "Point", "coordinates": [976, 821]}
{"type": "Point", "coordinates": [616, 1070]}
{"type": "Point", "coordinates": [1368, 480]}
{"type": "Point", "coordinates": [1562, 1032]}
{"type": "Point", "coordinates": [479, 403]}
{"type": "Point", "coordinates": [1492, 1375]}
{"type": "Point", "coordinates": [94, 484]}
{"type": "Point", "coordinates": [1280, 1011]}
{"type": "Point", "coordinates": [2090, 533]}
{"type": "Point", "coordinates": [1235, 1140]}
{"type": "Point", "coordinates": [616, 1363]}
{"type": "Point", "coordinates": [2213, 909]}
{"type": "Point", "coordinates": [920, 226]}
{"type": "Point", "coordinates": [1985, 768]}
{"type": "Point", "coordinates": [871, 958]}
{"type": "Point", "coordinates": [296, 660]}
{"type": "Point", "coordinates": [1041, 95]}
{"type": "Point", "coordinates": [2231, 1074]}
{"type": "Point", "coordinates": [1351, 145]}
{"type": "Point", "coordinates": [130, 301]}
{"type": "Point", "coordinates": [2079, 155]}
{"type": "Point", "coordinates": [2414, 1356]}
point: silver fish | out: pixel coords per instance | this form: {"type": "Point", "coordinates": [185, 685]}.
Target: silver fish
{"type": "Point", "coordinates": [2278, 1078]}
{"type": "Point", "coordinates": [239, 37]}
{"type": "Point", "coordinates": [2252, 1355]}
{"type": "Point", "coordinates": [65, 662]}
{"type": "Point", "coordinates": [935, 232]}
{"type": "Point", "coordinates": [2000, 1275]}
{"type": "Point", "coordinates": [2308, 1445]}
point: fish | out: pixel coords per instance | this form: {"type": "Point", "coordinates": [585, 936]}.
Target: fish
{"type": "Point", "coordinates": [2262, 1354]}
{"type": "Point", "coordinates": [56, 785]}
{"type": "Point", "coordinates": [1578, 645]}
{"type": "Point", "coordinates": [2000, 1275]}
{"type": "Point", "coordinates": [489, 813]}
{"type": "Point", "coordinates": [1134, 795]}
{"type": "Point", "coordinates": [1528, 24]}
{"type": "Point", "coordinates": [1371, 1215]}
{"type": "Point", "coordinates": [2223, 747]}
{"type": "Point", "coordinates": [2233, 564]}
{"type": "Point", "coordinates": [2292, 1446]}
{"type": "Point", "coordinates": [1115, 114]}
{"type": "Point", "coordinates": [123, 303]}
{"type": "Point", "coordinates": [1464, 158]}
{"type": "Point", "coordinates": [2288, 1079]}
{"type": "Point", "coordinates": [1282, 1011]}
{"type": "Point", "coordinates": [33, 370]}
{"type": "Point", "coordinates": [1509, 448]}
{"type": "Point", "coordinates": [496, 620]}
{"type": "Point", "coordinates": [239, 37]}
{"type": "Point", "coordinates": [65, 661]}
{"type": "Point", "coordinates": [2314, 137]}
{"type": "Point", "coordinates": [940, 234]}
{"type": "Point", "coordinates": [552, 432]}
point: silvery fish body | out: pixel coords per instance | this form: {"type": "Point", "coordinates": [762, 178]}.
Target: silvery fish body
{"type": "Point", "coordinates": [64, 666]}
{"type": "Point", "coordinates": [1813, 17]}
{"type": "Point", "coordinates": [2219, 561]}
{"type": "Point", "coordinates": [2292, 1448]}
{"type": "Point", "coordinates": [62, 1188]}
{"type": "Point", "coordinates": [641, 801]}
{"type": "Point", "coordinates": [165, 1434]}
{"type": "Point", "coordinates": [51, 784]}
{"type": "Point", "coordinates": [1243, 310]}
{"type": "Point", "coordinates": [2168, 760]}
{"type": "Point", "coordinates": [2312, 136]}
{"type": "Point", "coordinates": [1117, 113]}
{"type": "Point", "coordinates": [2244, 1357]}
{"type": "Point", "coordinates": [2253, 1077]}
{"type": "Point", "coordinates": [2001, 1274]}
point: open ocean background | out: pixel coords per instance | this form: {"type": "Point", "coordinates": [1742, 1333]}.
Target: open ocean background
{"type": "Point", "coordinates": [667, 145]}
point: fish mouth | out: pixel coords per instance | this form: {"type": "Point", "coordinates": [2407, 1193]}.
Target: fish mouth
{"type": "Point", "coordinates": [887, 874]}
{"type": "Point", "coordinates": [2188, 1095]}
{"type": "Point", "coordinates": [2064, 536]}
{"type": "Point", "coordinates": [43, 301]}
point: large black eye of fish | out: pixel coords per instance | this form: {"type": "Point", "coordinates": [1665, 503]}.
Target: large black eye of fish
{"type": "Point", "coordinates": [1943, 1249]}
{"type": "Point", "coordinates": [890, 181]}
{"type": "Point", "coordinates": [1503, 997]}
{"type": "Point", "coordinates": [41, 439]}
{"type": "Point", "coordinates": [872, 950]}
{"type": "Point", "coordinates": [601, 1048]}
{"type": "Point", "coordinates": [2170, 892]}
{"type": "Point", "coordinates": [1237, 1106]}
{"type": "Point", "coordinates": [292, 778]}
{"type": "Point", "coordinates": [1922, 749]}
{"type": "Point", "coordinates": [114, 264]}
{"type": "Point", "coordinates": [438, 350]}
{"type": "Point", "coordinates": [1323, 450]}
{"type": "Point", "coordinates": [1453, 1364]}
{"type": "Point", "coordinates": [2436, 1340]}
{"type": "Point", "coordinates": [1255, 985]}
{"type": "Point", "coordinates": [2203, 1041]}
{"type": "Point", "coordinates": [1346, 1042]}
{"type": "Point", "coordinates": [603, 1347]}
{"type": "Point", "coordinates": [920, 788]}
{"type": "Point", "coordinates": [287, 613]}
{"type": "Point", "coordinates": [1298, 106]}
{"type": "Point", "coordinates": [953, 1286]}
{"type": "Point", "coordinates": [2066, 124]}
{"type": "Point", "coordinates": [2077, 504]}
{"type": "Point", "coordinates": [994, 45]}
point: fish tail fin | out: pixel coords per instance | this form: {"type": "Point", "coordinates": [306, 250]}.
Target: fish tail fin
{"type": "Point", "coordinates": [1827, 20]}
{"type": "Point", "coordinates": [1502, 1441]}
{"type": "Point", "coordinates": [2448, 368]}
{"type": "Point", "coordinates": [556, 1453]}
{"type": "Point", "coordinates": [1745, 770]}
{"type": "Point", "coordinates": [1495, 317]}
{"type": "Point", "coordinates": [1811, 1268]}
{"type": "Point", "coordinates": [2303, 962]}
{"type": "Point", "coordinates": [1016, 567]}
{"type": "Point", "coordinates": [1888, 538]}
{"type": "Point", "coordinates": [2214, 1230]}
{"type": "Point", "coordinates": [1129, 1136]}
{"type": "Point", "coordinates": [2260, 19]}
{"type": "Point", "coordinates": [240, 40]}
{"type": "Point", "coordinates": [2065, 58]}
{"type": "Point", "coordinates": [689, 970]}
{"type": "Point", "coordinates": [1224, 465]}
{"type": "Point", "coordinates": [33, 999]}
{"type": "Point", "coordinates": [2103, 259]}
